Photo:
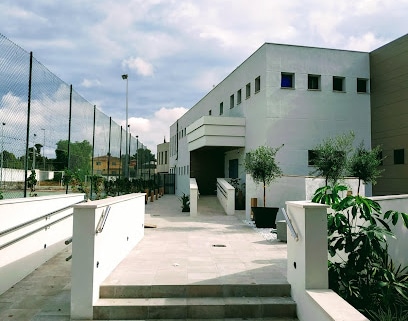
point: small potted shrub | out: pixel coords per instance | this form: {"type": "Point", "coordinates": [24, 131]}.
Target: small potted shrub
{"type": "Point", "coordinates": [185, 203]}
{"type": "Point", "coordinates": [263, 168]}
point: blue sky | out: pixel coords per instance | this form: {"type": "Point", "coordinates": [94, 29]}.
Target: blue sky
{"type": "Point", "coordinates": [175, 50]}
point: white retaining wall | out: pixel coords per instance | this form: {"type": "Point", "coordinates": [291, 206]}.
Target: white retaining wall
{"type": "Point", "coordinates": [44, 238]}
{"type": "Point", "coordinates": [95, 252]}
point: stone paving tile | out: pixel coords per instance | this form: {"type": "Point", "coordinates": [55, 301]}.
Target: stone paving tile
{"type": "Point", "coordinates": [172, 253]}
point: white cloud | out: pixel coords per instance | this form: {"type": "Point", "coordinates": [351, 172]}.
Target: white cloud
{"type": "Point", "coordinates": [137, 64]}
{"type": "Point", "coordinates": [88, 83]}
{"type": "Point", "coordinates": [365, 42]}
{"type": "Point", "coordinates": [152, 131]}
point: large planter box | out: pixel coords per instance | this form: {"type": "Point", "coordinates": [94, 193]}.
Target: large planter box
{"type": "Point", "coordinates": [265, 217]}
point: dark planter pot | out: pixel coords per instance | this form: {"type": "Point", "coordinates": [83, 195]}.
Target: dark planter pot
{"type": "Point", "coordinates": [265, 217]}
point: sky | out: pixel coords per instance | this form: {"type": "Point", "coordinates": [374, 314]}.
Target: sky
{"type": "Point", "coordinates": [175, 51]}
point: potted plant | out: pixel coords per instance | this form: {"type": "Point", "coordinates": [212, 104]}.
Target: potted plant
{"type": "Point", "coordinates": [239, 194]}
{"type": "Point", "coordinates": [185, 203]}
{"type": "Point", "coordinates": [263, 168]}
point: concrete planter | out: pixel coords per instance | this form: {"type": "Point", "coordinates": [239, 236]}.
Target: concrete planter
{"type": "Point", "coordinates": [265, 217]}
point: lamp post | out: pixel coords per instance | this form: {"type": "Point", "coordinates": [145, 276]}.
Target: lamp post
{"type": "Point", "coordinates": [2, 152]}
{"type": "Point", "coordinates": [125, 77]}
{"type": "Point", "coordinates": [43, 129]}
{"type": "Point", "coordinates": [33, 164]}
{"type": "Point", "coordinates": [130, 155]}
{"type": "Point", "coordinates": [137, 152]}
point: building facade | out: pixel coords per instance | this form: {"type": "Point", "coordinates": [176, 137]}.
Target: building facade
{"type": "Point", "coordinates": [162, 156]}
{"type": "Point", "coordinates": [389, 112]}
{"type": "Point", "coordinates": [281, 94]}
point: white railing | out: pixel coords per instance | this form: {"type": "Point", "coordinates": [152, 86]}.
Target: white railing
{"type": "Point", "coordinates": [226, 195]}
{"type": "Point", "coordinates": [104, 232]}
{"type": "Point", "coordinates": [307, 266]}
{"type": "Point", "coordinates": [32, 230]}
{"type": "Point", "coordinates": [194, 194]}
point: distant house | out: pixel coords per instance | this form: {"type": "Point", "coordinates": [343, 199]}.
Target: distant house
{"type": "Point", "coordinates": [107, 166]}
{"type": "Point", "coordinates": [163, 163]}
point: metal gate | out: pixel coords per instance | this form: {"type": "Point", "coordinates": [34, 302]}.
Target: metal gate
{"type": "Point", "coordinates": [168, 181]}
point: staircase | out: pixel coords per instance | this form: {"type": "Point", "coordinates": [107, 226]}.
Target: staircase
{"type": "Point", "coordinates": [195, 301]}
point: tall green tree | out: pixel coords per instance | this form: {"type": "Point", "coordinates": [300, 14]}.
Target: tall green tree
{"type": "Point", "coordinates": [331, 157]}
{"type": "Point", "coordinates": [80, 156]}
{"type": "Point", "coordinates": [144, 158]}
{"type": "Point", "coordinates": [364, 164]}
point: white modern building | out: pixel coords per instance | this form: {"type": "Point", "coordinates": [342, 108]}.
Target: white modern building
{"type": "Point", "coordinates": [281, 94]}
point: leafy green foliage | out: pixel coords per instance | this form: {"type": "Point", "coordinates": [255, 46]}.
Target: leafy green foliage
{"type": "Point", "coordinates": [328, 194]}
{"type": "Point", "coordinates": [360, 268]}
{"type": "Point", "coordinates": [362, 271]}
{"type": "Point", "coordinates": [331, 157]}
{"type": "Point", "coordinates": [32, 182]}
{"type": "Point", "coordinates": [185, 203]}
{"type": "Point", "coordinates": [262, 166]}
{"type": "Point", "coordinates": [80, 157]}
{"type": "Point", "coordinates": [364, 165]}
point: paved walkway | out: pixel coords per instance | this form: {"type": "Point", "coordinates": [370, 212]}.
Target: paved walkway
{"type": "Point", "coordinates": [210, 248]}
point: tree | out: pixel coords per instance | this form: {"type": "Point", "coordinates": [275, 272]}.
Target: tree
{"type": "Point", "coordinates": [331, 157]}
{"type": "Point", "coordinates": [262, 166]}
{"type": "Point", "coordinates": [364, 164]}
{"type": "Point", "coordinates": [79, 159]}
{"type": "Point", "coordinates": [144, 158]}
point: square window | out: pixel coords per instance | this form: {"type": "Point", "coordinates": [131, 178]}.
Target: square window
{"type": "Point", "coordinates": [399, 156]}
{"type": "Point", "coordinates": [338, 83]}
{"type": "Point", "coordinates": [221, 108]}
{"type": "Point", "coordinates": [239, 96]}
{"type": "Point", "coordinates": [248, 90]}
{"type": "Point", "coordinates": [287, 80]}
{"type": "Point", "coordinates": [257, 84]}
{"type": "Point", "coordinates": [232, 101]}
{"type": "Point", "coordinates": [313, 82]}
{"type": "Point", "coordinates": [311, 157]}
{"type": "Point", "coordinates": [362, 85]}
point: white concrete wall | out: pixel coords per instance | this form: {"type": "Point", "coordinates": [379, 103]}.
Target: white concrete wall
{"type": "Point", "coordinates": [226, 196]}
{"type": "Point", "coordinates": [194, 194]}
{"type": "Point", "coordinates": [47, 239]}
{"type": "Point", "coordinates": [398, 248]}
{"type": "Point", "coordinates": [299, 118]}
{"type": "Point", "coordinates": [307, 266]}
{"type": "Point", "coordinates": [289, 188]}
{"type": "Point", "coordinates": [95, 255]}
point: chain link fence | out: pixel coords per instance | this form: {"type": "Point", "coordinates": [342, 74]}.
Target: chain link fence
{"type": "Point", "coordinates": [48, 128]}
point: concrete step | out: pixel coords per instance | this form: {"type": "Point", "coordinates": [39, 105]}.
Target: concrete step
{"type": "Point", "coordinates": [222, 319]}
{"type": "Point", "coordinates": [194, 290]}
{"type": "Point", "coordinates": [193, 308]}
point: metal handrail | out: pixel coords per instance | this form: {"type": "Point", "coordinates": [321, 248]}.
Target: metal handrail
{"type": "Point", "coordinates": [28, 223]}
{"type": "Point", "coordinates": [102, 220]}
{"type": "Point", "coordinates": [222, 190]}
{"type": "Point", "coordinates": [289, 223]}
{"type": "Point", "coordinates": [33, 232]}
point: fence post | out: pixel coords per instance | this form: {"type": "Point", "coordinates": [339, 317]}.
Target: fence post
{"type": "Point", "coordinates": [28, 123]}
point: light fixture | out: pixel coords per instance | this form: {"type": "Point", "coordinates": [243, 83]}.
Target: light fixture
{"type": "Point", "coordinates": [125, 77]}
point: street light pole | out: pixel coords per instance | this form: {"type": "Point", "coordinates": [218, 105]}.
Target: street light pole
{"type": "Point", "coordinates": [43, 129]}
{"type": "Point", "coordinates": [125, 77]}
{"type": "Point", "coordinates": [137, 152]}
{"type": "Point", "coordinates": [2, 152]}
{"type": "Point", "coordinates": [35, 135]}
